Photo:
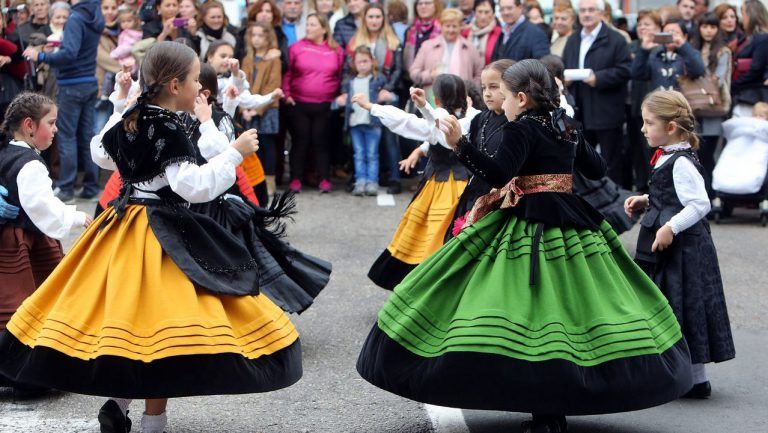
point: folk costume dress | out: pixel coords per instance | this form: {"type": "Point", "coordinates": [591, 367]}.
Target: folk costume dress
{"type": "Point", "coordinates": [603, 194]}
{"type": "Point", "coordinates": [485, 133]}
{"type": "Point", "coordinates": [535, 306]}
{"type": "Point", "coordinates": [154, 300]}
{"type": "Point", "coordinates": [430, 213]}
{"type": "Point", "coordinates": [687, 272]}
{"type": "Point", "coordinates": [220, 120]}
{"type": "Point", "coordinates": [29, 244]}
{"type": "Point", "coordinates": [288, 277]}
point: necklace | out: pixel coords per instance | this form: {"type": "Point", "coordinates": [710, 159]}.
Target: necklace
{"type": "Point", "coordinates": [484, 139]}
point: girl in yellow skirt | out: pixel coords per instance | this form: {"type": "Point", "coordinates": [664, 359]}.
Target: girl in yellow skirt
{"type": "Point", "coordinates": [155, 301]}
{"type": "Point", "coordinates": [430, 214]}
{"type": "Point", "coordinates": [29, 242]}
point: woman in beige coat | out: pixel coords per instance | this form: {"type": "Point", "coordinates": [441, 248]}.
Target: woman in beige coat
{"type": "Point", "coordinates": [447, 54]}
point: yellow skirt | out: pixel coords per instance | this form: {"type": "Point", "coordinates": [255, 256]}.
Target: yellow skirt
{"type": "Point", "coordinates": [253, 169]}
{"type": "Point", "coordinates": [426, 220]}
{"type": "Point", "coordinates": [118, 300]}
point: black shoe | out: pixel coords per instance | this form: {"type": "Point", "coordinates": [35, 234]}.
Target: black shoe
{"type": "Point", "coordinates": [546, 425]}
{"type": "Point", "coordinates": [700, 391]}
{"type": "Point", "coordinates": [112, 419]}
{"type": "Point", "coordinates": [394, 187]}
{"type": "Point", "coordinates": [89, 196]}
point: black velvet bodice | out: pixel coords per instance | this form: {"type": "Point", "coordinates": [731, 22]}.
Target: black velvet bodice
{"type": "Point", "coordinates": [529, 146]}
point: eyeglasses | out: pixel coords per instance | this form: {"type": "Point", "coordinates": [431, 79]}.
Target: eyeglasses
{"type": "Point", "coordinates": [587, 10]}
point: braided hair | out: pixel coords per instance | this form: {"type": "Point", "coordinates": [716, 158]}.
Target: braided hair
{"type": "Point", "coordinates": [671, 106]}
{"type": "Point", "coordinates": [25, 105]}
{"type": "Point", "coordinates": [210, 82]}
{"type": "Point", "coordinates": [163, 63]}
{"type": "Point", "coordinates": [532, 78]}
{"type": "Point", "coordinates": [450, 90]}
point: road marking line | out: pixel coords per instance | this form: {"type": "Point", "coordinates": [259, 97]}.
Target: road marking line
{"type": "Point", "coordinates": [446, 419]}
{"type": "Point", "coordinates": [385, 200]}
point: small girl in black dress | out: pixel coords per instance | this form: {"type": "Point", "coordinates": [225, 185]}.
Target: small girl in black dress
{"type": "Point", "coordinates": [675, 247]}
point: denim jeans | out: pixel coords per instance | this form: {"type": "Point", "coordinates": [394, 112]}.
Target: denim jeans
{"type": "Point", "coordinates": [104, 110]}
{"type": "Point", "coordinates": [76, 117]}
{"type": "Point", "coordinates": [365, 142]}
{"type": "Point", "coordinates": [394, 155]}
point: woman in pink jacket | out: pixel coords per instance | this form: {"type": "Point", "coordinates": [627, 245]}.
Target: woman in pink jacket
{"type": "Point", "coordinates": [447, 54]}
{"type": "Point", "coordinates": [311, 82]}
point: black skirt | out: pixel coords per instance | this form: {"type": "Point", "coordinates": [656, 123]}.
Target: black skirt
{"type": "Point", "coordinates": [288, 277]}
{"type": "Point", "coordinates": [688, 273]}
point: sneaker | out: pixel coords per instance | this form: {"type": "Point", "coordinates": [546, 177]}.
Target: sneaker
{"type": "Point", "coordinates": [371, 188]}
{"type": "Point", "coordinates": [325, 186]}
{"type": "Point", "coordinates": [394, 187]}
{"type": "Point", "coordinates": [359, 189]}
{"type": "Point", "coordinates": [112, 419]}
{"type": "Point", "coordinates": [295, 186]}
{"type": "Point", "coordinates": [66, 197]}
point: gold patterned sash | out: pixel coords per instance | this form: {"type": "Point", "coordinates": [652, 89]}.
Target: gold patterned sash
{"type": "Point", "coordinates": [510, 194]}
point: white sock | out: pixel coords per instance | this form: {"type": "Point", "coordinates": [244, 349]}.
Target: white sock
{"type": "Point", "coordinates": [153, 423]}
{"type": "Point", "coordinates": [122, 403]}
{"type": "Point", "coordinates": [699, 373]}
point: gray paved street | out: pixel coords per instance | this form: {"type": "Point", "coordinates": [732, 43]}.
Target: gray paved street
{"type": "Point", "coordinates": [331, 397]}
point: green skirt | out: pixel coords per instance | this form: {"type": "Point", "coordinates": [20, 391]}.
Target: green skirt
{"type": "Point", "coordinates": [592, 324]}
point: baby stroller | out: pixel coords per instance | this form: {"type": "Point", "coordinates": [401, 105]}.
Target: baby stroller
{"type": "Point", "coordinates": [724, 203]}
{"type": "Point", "coordinates": [740, 178]}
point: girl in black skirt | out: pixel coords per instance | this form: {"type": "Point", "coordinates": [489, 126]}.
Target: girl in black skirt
{"type": "Point", "coordinates": [675, 247]}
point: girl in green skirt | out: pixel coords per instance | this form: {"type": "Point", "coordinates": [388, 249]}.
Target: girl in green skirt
{"type": "Point", "coordinates": [535, 306]}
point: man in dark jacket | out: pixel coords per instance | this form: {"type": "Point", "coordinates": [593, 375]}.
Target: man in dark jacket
{"type": "Point", "coordinates": [346, 27]}
{"type": "Point", "coordinates": [75, 67]}
{"type": "Point", "coordinates": [38, 21]}
{"type": "Point", "coordinates": [519, 38]}
{"type": "Point", "coordinates": [601, 97]}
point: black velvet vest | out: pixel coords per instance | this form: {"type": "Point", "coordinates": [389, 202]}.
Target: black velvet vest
{"type": "Point", "coordinates": [12, 159]}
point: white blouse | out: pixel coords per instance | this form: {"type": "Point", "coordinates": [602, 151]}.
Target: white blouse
{"type": "Point", "coordinates": [416, 128]}
{"type": "Point", "coordinates": [689, 185]}
{"type": "Point", "coordinates": [194, 183]}
{"type": "Point", "coordinates": [245, 98]}
{"type": "Point", "coordinates": [49, 214]}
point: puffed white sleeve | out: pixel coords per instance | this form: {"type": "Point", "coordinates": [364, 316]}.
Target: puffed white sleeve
{"type": "Point", "coordinates": [202, 183]}
{"type": "Point", "coordinates": [49, 214]}
{"type": "Point", "coordinates": [212, 141]}
{"type": "Point", "coordinates": [250, 101]}
{"type": "Point", "coordinates": [98, 154]}
{"type": "Point", "coordinates": [689, 185]}
{"type": "Point", "coordinates": [404, 124]}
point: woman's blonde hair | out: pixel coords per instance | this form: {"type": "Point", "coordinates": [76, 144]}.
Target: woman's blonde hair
{"type": "Point", "coordinates": [327, 27]}
{"type": "Point", "coordinates": [451, 14]}
{"type": "Point", "coordinates": [671, 106]}
{"type": "Point", "coordinates": [364, 37]}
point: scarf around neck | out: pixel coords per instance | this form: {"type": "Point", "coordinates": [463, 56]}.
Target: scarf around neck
{"type": "Point", "coordinates": [216, 34]}
{"type": "Point", "coordinates": [421, 30]}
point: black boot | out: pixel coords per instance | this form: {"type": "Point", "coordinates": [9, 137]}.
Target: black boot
{"type": "Point", "coordinates": [112, 419]}
{"type": "Point", "coordinates": [700, 391]}
{"type": "Point", "coordinates": [546, 424]}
